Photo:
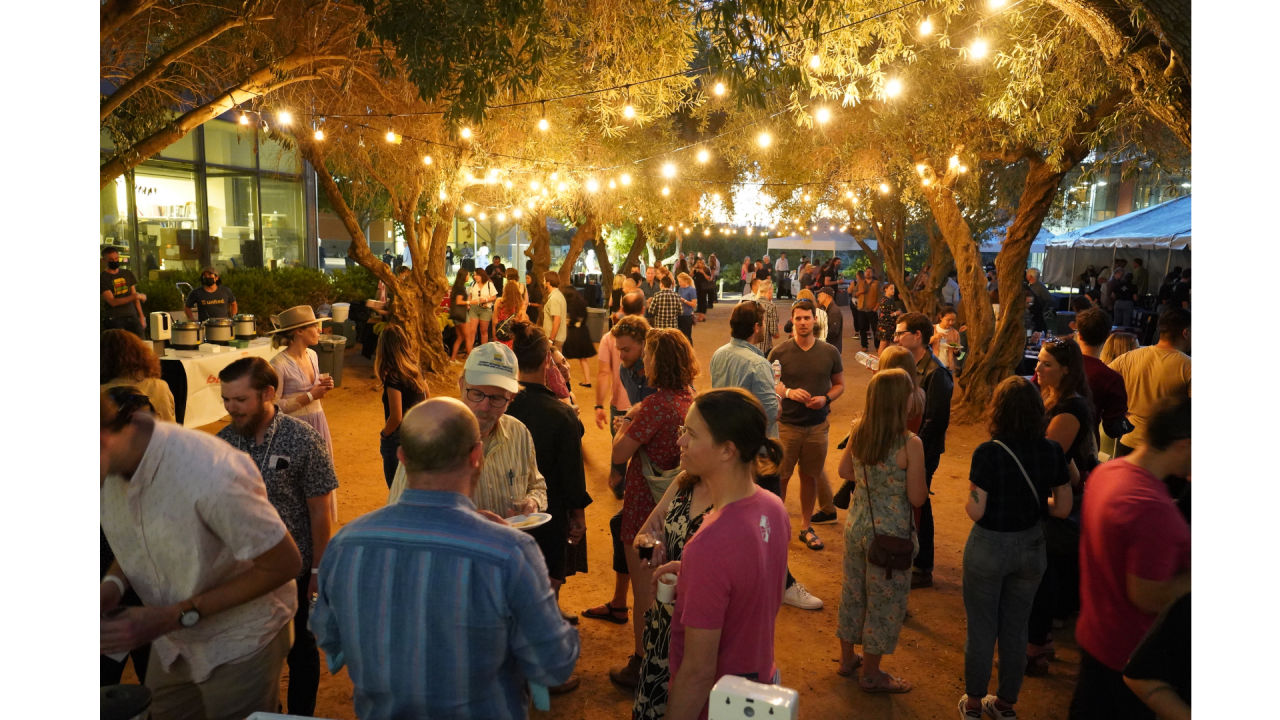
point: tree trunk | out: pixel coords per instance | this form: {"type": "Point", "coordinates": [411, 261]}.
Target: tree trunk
{"type": "Point", "coordinates": [606, 266]}
{"type": "Point", "coordinates": [637, 247]}
{"type": "Point", "coordinates": [115, 13]}
{"type": "Point", "coordinates": [539, 249]}
{"type": "Point", "coordinates": [1154, 61]}
{"type": "Point", "coordinates": [587, 232]}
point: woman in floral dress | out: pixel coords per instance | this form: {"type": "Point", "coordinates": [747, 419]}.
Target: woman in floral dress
{"type": "Point", "coordinates": [891, 306]}
{"type": "Point", "coordinates": [652, 428]}
{"type": "Point", "coordinates": [885, 462]}
{"type": "Point", "coordinates": [674, 520]}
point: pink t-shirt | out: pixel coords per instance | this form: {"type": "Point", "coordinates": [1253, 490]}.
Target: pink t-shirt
{"type": "Point", "coordinates": [1129, 526]}
{"type": "Point", "coordinates": [732, 575]}
{"type": "Point", "coordinates": [607, 360]}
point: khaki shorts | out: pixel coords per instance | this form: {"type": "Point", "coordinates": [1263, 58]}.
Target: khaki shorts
{"type": "Point", "coordinates": [805, 445]}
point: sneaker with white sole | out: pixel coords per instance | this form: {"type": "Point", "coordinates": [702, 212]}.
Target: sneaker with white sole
{"type": "Point", "coordinates": [798, 596]}
{"type": "Point", "coordinates": [966, 713]}
{"type": "Point", "coordinates": [989, 707]}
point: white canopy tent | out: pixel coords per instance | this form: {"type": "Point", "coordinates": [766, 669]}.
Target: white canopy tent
{"type": "Point", "coordinates": [1160, 235]}
{"type": "Point", "coordinates": [825, 241]}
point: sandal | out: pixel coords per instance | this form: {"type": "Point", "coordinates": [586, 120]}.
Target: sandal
{"type": "Point", "coordinates": [810, 539]}
{"type": "Point", "coordinates": [857, 663]}
{"type": "Point", "coordinates": [890, 685]}
{"type": "Point", "coordinates": [608, 613]}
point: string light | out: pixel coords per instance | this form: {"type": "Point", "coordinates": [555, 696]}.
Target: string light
{"type": "Point", "coordinates": [391, 136]}
{"type": "Point", "coordinates": [954, 161]}
{"type": "Point", "coordinates": [508, 184]}
{"type": "Point", "coordinates": [319, 135]}
{"type": "Point", "coordinates": [483, 216]}
{"type": "Point", "coordinates": [533, 203]}
{"type": "Point", "coordinates": [964, 169]}
{"type": "Point", "coordinates": [926, 27]}
{"type": "Point", "coordinates": [995, 4]}
{"type": "Point", "coordinates": [560, 187]}
{"type": "Point", "coordinates": [893, 88]}
{"type": "Point", "coordinates": [613, 185]}
{"type": "Point", "coordinates": [443, 195]}
{"type": "Point", "coordinates": [533, 185]}
{"type": "Point", "coordinates": [628, 111]}
{"type": "Point", "coordinates": [626, 178]}
{"type": "Point", "coordinates": [244, 119]}
{"type": "Point", "coordinates": [284, 117]}
{"type": "Point", "coordinates": [467, 208]}
{"type": "Point", "coordinates": [849, 194]}
{"type": "Point", "coordinates": [719, 89]}
{"type": "Point", "coordinates": [806, 197]}
{"type": "Point", "coordinates": [706, 233]}
{"type": "Point", "coordinates": [670, 228]}
{"type": "Point", "coordinates": [502, 217]}
{"type": "Point", "coordinates": [822, 116]}
{"type": "Point", "coordinates": [517, 213]}
{"type": "Point", "coordinates": [978, 49]}
{"type": "Point", "coordinates": [665, 191]}
{"type": "Point", "coordinates": [815, 62]}
{"type": "Point", "coordinates": [920, 168]}
{"type": "Point", "coordinates": [554, 175]}
{"type": "Point", "coordinates": [925, 182]}
{"type": "Point", "coordinates": [884, 188]}
{"type": "Point", "coordinates": [703, 156]}
{"type": "Point", "coordinates": [669, 170]}
{"type": "Point", "coordinates": [592, 185]}
{"type": "Point", "coordinates": [465, 133]}
{"type": "Point", "coordinates": [765, 139]}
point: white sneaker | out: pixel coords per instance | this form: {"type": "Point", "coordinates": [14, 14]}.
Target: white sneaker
{"type": "Point", "coordinates": [798, 596]}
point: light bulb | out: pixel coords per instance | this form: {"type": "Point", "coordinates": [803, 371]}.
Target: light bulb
{"type": "Point", "coordinates": [426, 159]}
{"type": "Point", "coordinates": [443, 195]}
{"type": "Point", "coordinates": [467, 208]}
{"type": "Point", "coordinates": [465, 133]}
{"type": "Point", "coordinates": [954, 161]}
{"type": "Point", "coordinates": [533, 203]}
{"type": "Point", "coordinates": [639, 219]}
{"type": "Point", "coordinates": [319, 135]}
{"type": "Point", "coordinates": [806, 197]}
{"type": "Point", "coordinates": [849, 194]}
{"type": "Point", "coordinates": [688, 230]}
{"type": "Point", "coordinates": [507, 184]}
{"type": "Point", "coordinates": [920, 168]}
{"type": "Point", "coordinates": [703, 156]}
{"type": "Point", "coordinates": [626, 178]}
{"type": "Point", "coordinates": [502, 217]}
{"type": "Point", "coordinates": [706, 232]}
{"type": "Point", "coordinates": [884, 188]}
{"type": "Point", "coordinates": [995, 4]}
{"type": "Point", "coordinates": [468, 176]}
{"type": "Point", "coordinates": [893, 88]}
{"type": "Point", "coordinates": [666, 190]}
{"type": "Point", "coordinates": [560, 187]}
{"type": "Point", "coordinates": [533, 185]}
{"type": "Point", "coordinates": [543, 124]}
{"type": "Point", "coordinates": [670, 228]}
{"type": "Point", "coordinates": [964, 169]}
{"type": "Point", "coordinates": [978, 49]}
{"type": "Point", "coordinates": [244, 119]}
{"type": "Point", "coordinates": [391, 136]}
{"type": "Point", "coordinates": [668, 170]}
{"type": "Point", "coordinates": [628, 111]}
{"type": "Point", "coordinates": [719, 88]}
{"type": "Point", "coordinates": [592, 185]}
{"type": "Point", "coordinates": [284, 117]}
{"type": "Point", "coordinates": [517, 213]}
{"type": "Point", "coordinates": [554, 175]}
{"type": "Point", "coordinates": [493, 172]}
{"type": "Point", "coordinates": [765, 139]}
{"type": "Point", "coordinates": [613, 185]}
{"type": "Point", "coordinates": [925, 182]}
{"type": "Point", "coordinates": [822, 116]}
{"type": "Point", "coordinates": [544, 192]}
{"type": "Point", "coordinates": [926, 27]}
{"type": "Point", "coordinates": [483, 216]}
{"type": "Point", "coordinates": [815, 62]}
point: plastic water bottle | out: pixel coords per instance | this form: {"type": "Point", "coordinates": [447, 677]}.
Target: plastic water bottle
{"type": "Point", "coordinates": [872, 362]}
{"type": "Point", "coordinates": [777, 372]}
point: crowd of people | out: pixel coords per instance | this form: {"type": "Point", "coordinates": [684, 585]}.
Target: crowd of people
{"type": "Point", "coordinates": [220, 565]}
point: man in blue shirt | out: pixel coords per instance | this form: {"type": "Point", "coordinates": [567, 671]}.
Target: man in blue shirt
{"type": "Point", "coordinates": [436, 609]}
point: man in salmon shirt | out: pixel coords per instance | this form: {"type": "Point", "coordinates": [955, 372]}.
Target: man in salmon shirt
{"type": "Point", "coordinates": [1135, 559]}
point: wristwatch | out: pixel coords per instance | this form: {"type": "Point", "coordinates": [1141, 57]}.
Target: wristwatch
{"type": "Point", "coordinates": [599, 407]}
{"type": "Point", "coordinates": [190, 615]}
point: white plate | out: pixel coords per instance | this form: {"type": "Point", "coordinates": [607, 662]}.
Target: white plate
{"type": "Point", "coordinates": [530, 521]}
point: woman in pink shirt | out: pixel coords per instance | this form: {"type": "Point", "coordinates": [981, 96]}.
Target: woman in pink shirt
{"type": "Point", "coordinates": [733, 570]}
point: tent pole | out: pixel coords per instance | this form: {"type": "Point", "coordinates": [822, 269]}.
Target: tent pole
{"type": "Point", "coordinates": [1167, 259]}
{"type": "Point", "coordinates": [1072, 279]}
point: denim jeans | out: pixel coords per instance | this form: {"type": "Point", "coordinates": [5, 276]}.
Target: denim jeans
{"type": "Point", "coordinates": [1002, 571]}
{"type": "Point", "coordinates": [388, 446]}
{"type": "Point", "coordinates": [1122, 314]}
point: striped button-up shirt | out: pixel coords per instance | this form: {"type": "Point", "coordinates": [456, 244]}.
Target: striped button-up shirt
{"type": "Point", "coordinates": [665, 307]}
{"type": "Point", "coordinates": [439, 613]}
{"type": "Point", "coordinates": [769, 327]}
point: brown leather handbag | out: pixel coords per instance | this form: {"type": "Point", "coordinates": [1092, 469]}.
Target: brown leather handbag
{"type": "Point", "coordinates": [887, 551]}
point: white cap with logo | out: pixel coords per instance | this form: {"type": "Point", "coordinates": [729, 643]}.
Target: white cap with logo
{"type": "Point", "coordinates": [492, 364]}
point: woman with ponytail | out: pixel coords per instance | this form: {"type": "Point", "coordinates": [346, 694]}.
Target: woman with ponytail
{"type": "Point", "coordinates": [885, 463]}
{"type": "Point", "coordinates": [731, 573]}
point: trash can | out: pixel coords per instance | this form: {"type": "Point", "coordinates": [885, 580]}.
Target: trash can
{"type": "Point", "coordinates": [330, 356]}
{"type": "Point", "coordinates": [347, 329]}
{"type": "Point", "coordinates": [596, 318]}
{"type": "Point", "coordinates": [124, 702]}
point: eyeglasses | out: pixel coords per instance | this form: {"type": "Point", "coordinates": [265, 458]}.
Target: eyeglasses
{"type": "Point", "coordinates": [900, 333]}
{"type": "Point", "coordinates": [497, 402]}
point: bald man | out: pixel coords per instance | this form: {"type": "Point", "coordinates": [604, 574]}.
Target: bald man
{"type": "Point", "coordinates": [451, 608]}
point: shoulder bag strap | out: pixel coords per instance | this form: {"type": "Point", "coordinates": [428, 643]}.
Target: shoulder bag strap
{"type": "Point", "coordinates": [1024, 470]}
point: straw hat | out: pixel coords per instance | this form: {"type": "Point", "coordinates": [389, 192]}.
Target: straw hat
{"type": "Point", "coordinates": [295, 317]}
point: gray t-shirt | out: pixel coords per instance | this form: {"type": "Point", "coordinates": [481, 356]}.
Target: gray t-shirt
{"type": "Point", "coordinates": [808, 370]}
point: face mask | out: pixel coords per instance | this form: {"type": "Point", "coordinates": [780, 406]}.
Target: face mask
{"type": "Point", "coordinates": [114, 264]}
{"type": "Point", "coordinates": [207, 281]}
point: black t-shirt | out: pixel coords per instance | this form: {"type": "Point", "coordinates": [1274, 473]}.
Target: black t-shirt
{"type": "Point", "coordinates": [1082, 449]}
{"type": "Point", "coordinates": [211, 304]}
{"type": "Point", "coordinates": [1125, 291]}
{"type": "Point", "coordinates": [835, 327]}
{"type": "Point", "coordinates": [118, 284]}
{"type": "Point", "coordinates": [1010, 505]}
{"type": "Point", "coordinates": [808, 370]}
{"type": "Point", "coordinates": [409, 396]}
{"type": "Point", "coordinates": [1165, 653]}
{"type": "Point", "coordinates": [1180, 293]}
{"type": "Point", "coordinates": [763, 274]}
{"type": "Point", "coordinates": [830, 276]}
{"type": "Point", "coordinates": [497, 275]}
{"type": "Point", "coordinates": [535, 293]}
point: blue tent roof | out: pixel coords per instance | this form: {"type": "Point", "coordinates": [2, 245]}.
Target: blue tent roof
{"type": "Point", "coordinates": [1166, 226]}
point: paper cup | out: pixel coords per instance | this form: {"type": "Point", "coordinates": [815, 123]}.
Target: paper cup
{"type": "Point", "coordinates": [667, 588]}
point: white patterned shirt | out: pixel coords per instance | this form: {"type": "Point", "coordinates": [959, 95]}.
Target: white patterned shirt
{"type": "Point", "coordinates": [193, 516]}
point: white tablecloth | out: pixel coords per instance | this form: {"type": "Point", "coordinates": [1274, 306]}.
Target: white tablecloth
{"type": "Point", "coordinates": [204, 391]}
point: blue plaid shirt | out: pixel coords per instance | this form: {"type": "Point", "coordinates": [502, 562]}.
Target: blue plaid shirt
{"type": "Point", "coordinates": [439, 613]}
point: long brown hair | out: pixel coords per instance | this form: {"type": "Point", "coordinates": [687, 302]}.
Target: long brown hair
{"type": "Point", "coordinates": [511, 297]}
{"type": "Point", "coordinates": [124, 355]}
{"type": "Point", "coordinates": [896, 356]}
{"type": "Point", "coordinates": [884, 419]}
{"type": "Point", "coordinates": [674, 364]}
{"type": "Point", "coordinates": [1067, 354]}
{"type": "Point", "coordinates": [392, 362]}
{"type": "Point", "coordinates": [1016, 411]}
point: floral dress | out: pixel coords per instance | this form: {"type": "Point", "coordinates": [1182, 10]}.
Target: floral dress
{"type": "Point", "coordinates": [884, 314]}
{"type": "Point", "coordinates": [657, 428]}
{"type": "Point", "coordinates": [873, 607]}
{"type": "Point", "coordinates": [651, 693]}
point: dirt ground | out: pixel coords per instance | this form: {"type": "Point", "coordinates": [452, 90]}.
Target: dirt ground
{"type": "Point", "coordinates": [930, 651]}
